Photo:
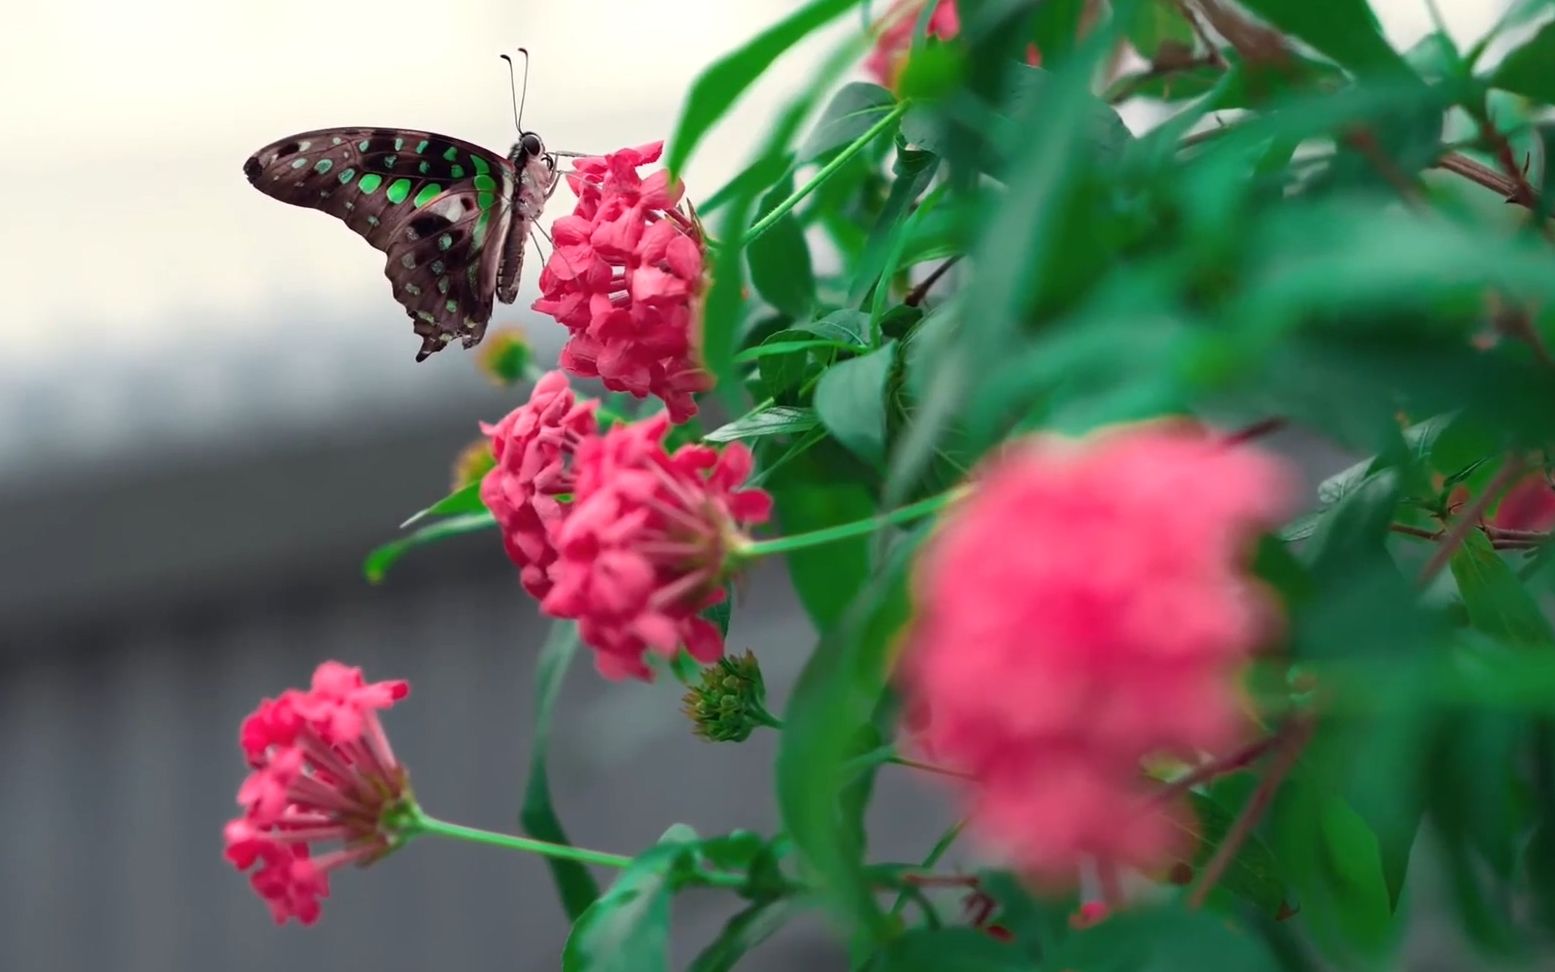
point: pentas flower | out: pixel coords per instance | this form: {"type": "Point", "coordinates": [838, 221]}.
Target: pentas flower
{"type": "Point", "coordinates": [626, 278]}
{"type": "Point", "coordinates": [1086, 607]}
{"type": "Point", "coordinates": [1529, 505]}
{"type": "Point", "coordinates": [322, 773]}
{"type": "Point", "coordinates": [532, 445]}
{"type": "Point", "coordinates": [648, 543]}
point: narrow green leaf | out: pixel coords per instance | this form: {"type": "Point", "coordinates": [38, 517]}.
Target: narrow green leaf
{"type": "Point", "coordinates": [715, 91]}
{"type": "Point", "coordinates": [743, 932]}
{"type": "Point", "coordinates": [786, 367]}
{"type": "Point", "coordinates": [853, 109]}
{"type": "Point", "coordinates": [776, 420]}
{"type": "Point", "coordinates": [847, 327]}
{"type": "Point", "coordinates": [627, 929]}
{"type": "Point", "coordinates": [1496, 600]}
{"type": "Point", "coordinates": [1254, 873]}
{"type": "Point", "coordinates": [948, 950]}
{"type": "Point", "coordinates": [1345, 30]}
{"type": "Point", "coordinates": [914, 170]}
{"type": "Point", "coordinates": [1165, 939]}
{"type": "Point", "coordinates": [769, 348]}
{"type": "Point", "coordinates": [1530, 69]}
{"type": "Point", "coordinates": [466, 499]}
{"type": "Point", "coordinates": [574, 884]}
{"type": "Point", "coordinates": [851, 402]}
{"type": "Point", "coordinates": [377, 563]}
{"type": "Point", "coordinates": [780, 259]}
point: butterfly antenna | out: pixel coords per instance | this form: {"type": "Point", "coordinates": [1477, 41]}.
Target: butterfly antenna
{"type": "Point", "coordinates": [518, 99]}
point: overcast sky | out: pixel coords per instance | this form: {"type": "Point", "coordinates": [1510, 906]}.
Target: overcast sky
{"type": "Point", "coordinates": [128, 123]}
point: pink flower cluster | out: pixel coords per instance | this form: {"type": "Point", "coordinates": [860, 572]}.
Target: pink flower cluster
{"type": "Point", "coordinates": [645, 543]}
{"type": "Point", "coordinates": [896, 31]}
{"type": "Point", "coordinates": [532, 446]}
{"type": "Point", "coordinates": [1086, 608]}
{"type": "Point", "coordinates": [1529, 505]}
{"type": "Point", "coordinates": [322, 771]}
{"type": "Point", "coordinates": [626, 277]}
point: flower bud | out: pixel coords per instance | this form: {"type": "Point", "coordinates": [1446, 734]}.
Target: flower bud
{"type": "Point", "coordinates": [727, 705]}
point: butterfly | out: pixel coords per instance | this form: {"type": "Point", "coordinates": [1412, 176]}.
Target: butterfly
{"type": "Point", "coordinates": [452, 217]}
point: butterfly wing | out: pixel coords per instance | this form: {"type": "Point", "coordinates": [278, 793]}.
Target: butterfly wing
{"type": "Point", "coordinates": [439, 207]}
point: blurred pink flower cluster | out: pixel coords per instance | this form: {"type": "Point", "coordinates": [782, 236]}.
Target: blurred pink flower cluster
{"type": "Point", "coordinates": [626, 277]}
{"type": "Point", "coordinates": [1088, 607]}
{"type": "Point", "coordinates": [895, 32]}
{"type": "Point", "coordinates": [645, 543]}
{"type": "Point", "coordinates": [322, 772]}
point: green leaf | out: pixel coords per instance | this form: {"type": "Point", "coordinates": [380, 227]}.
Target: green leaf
{"type": "Point", "coordinates": [851, 402]}
{"type": "Point", "coordinates": [721, 84]}
{"type": "Point", "coordinates": [1496, 600]}
{"type": "Point", "coordinates": [1530, 69]}
{"type": "Point", "coordinates": [1156, 22]}
{"type": "Point", "coordinates": [377, 563]}
{"type": "Point", "coordinates": [743, 932]}
{"type": "Point", "coordinates": [853, 109]}
{"type": "Point", "coordinates": [948, 950]}
{"type": "Point", "coordinates": [466, 499]}
{"type": "Point", "coordinates": [810, 496]}
{"type": "Point", "coordinates": [1036, 925]}
{"type": "Point", "coordinates": [1165, 939]}
{"type": "Point", "coordinates": [770, 348]}
{"type": "Point", "coordinates": [848, 328]}
{"type": "Point", "coordinates": [780, 259]}
{"type": "Point", "coordinates": [1345, 30]}
{"type": "Point", "coordinates": [574, 884]}
{"type": "Point", "coordinates": [774, 420]}
{"type": "Point", "coordinates": [836, 699]}
{"type": "Point", "coordinates": [1254, 873]}
{"type": "Point", "coordinates": [914, 170]}
{"type": "Point", "coordinates": [627, 929]}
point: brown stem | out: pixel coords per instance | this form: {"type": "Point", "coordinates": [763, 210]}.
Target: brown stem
{"type": "Point", "coordinates": [1294, 736]}
{"type": "Point", "coordinates": [941, 880]}
{"type": "Point", "coordinates": [1459, 164]}
{"type": "Point", "coordinates": [1212, 50]}
{"type": "Point", "coordinates": [1414, 531]}
{"type": "Point", "coordinates": [1470, 517]}
{"type": "Point", "coordinates": [1256, 43]}
{"type": "Point", "coordinates": [918, 293]}
{"type": "Point", "coordinates": [1522, 193]}
{"type": "Point", "coordinates": [1215, 768]}
{"type": "Point", "coordinates": [1363, 141]}
{"type": "Point", "coordinates": [929, 767]}
{"type": "Point", "coordinates": [1257, 430]}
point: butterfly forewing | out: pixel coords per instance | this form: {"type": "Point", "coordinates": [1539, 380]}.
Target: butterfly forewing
{"type": "Point", "coordinates": [440, 207]}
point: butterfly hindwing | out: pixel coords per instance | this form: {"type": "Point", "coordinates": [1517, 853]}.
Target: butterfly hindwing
{"type": "Point", "coordinates": [407, 192]}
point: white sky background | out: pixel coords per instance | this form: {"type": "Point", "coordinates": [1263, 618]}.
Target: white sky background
{"type": "Point", "coordinates": [127, 215]}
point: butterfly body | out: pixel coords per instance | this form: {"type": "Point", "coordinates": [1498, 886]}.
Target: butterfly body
{"type": "Point", "coordinates": [451, 217]}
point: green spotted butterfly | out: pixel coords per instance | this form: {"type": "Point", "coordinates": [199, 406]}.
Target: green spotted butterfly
{"type": "Point", "coordinates": [452, 217]}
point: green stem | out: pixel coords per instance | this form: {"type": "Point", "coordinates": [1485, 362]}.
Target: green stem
{"type": "Point", "coordinates": [826, 172]}
{"type": "Point", "coordinates": [843, 531]}
{"type": "Point", "coordinates": [423, 824]}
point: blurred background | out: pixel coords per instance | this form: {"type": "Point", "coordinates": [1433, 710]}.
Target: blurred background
{"type": "Point", "coordinates": [209, 412]}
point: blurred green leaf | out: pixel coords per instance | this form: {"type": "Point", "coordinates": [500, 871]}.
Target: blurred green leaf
{"type": "Point", "coordinates": [780, 259]}
{"type": "Point", "coordinates": [836, 697]}
{"type": "Point", "coordinates": [1345, 30]}
{"type": "Point", "coordinates": [846, 327]}
{"type": "Point", "coordinates": [627, 929]}
{"type": "Point", "coordinates": [913, 171]}
{"type": "Point", "coordinates": [851, 402]}
{"type": "Point", "coordinates": [720, 85]}
{"type": "Point", "coordinates": [947, 950]}
{"type": "Point", "coordinates": [811, 496]}
{"type": "Point", "coordinates": [743, 932]}
{"type": "Point", "coordinates": [770, 348]}
{"type": "Point", "coordinates": [1254, 873]}
{"type": "Point", "coordinates": [1163, 939]}
{"type": "Point", "coordinates": [775, 420]}
{"type": "Point", "coordinates": [1530, 69]}
{"type": "Point", "coordinates": [1037, 925]}
{"type": "Point", "coordinates": [574, 884]}
{"type": "Point", "coordinates": [465, 499]}
{"type": "Point", "coordinates": [1497, 602]}
{"type": "Point", "coordinates": [853, 109]}
{"type": "Point", "coordinates": [377, 563]}
{"type": "Point", "coordinates": [1156, 22]}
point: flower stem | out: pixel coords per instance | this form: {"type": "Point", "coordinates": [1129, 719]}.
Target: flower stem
{"type": "Point", "coordinates": [826, 172]}
{"type": "Point", "coordinates": [844, 531]}
{"type": "Point", "coordinates": [423, 824]}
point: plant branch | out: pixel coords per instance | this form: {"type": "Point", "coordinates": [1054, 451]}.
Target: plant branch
{"type": "Point", "coordinates": [1294, 736]}
{"type": "Point", "coordinates": [1215, 768]}
{"type": "Point", "coordinates": [918, 293]}
{"type": "Point", "coordinates": [1470, 517]}
{"type": "Point", "coordinates": [1459, 164]}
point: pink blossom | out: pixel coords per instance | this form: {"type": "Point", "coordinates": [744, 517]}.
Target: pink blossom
{"type": "Point", "coordinates": [895, 33]}
{"type": "Point", "coordinates": [626, 278]}
{"type": "Point", "coordinates": [647, 544]}
{"type": "Point", "coordinates": [1087, 607]}
{"type": "Point", "coordinates": [322, 772]}
{"type": "Point", "coordinates": [532, 445]}
{"type": "Point", "coordinates": [1529, 505]}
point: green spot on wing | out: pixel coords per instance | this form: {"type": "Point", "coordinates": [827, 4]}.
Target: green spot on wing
{"type": "Point", "coordinates": [370, 182]}
{"type": "Point", "coordinates": [346, 175]}
{"type": "Point", "coordinates": [299, 163]}
{"type": "Point", "coordinates": [445, 241]}
{"type": "Point", "coordinates": [398, 190]}
{"type": "Point", "coordinates": [457, 171]}
{"type": "Point", "coordinates": [481, 168]}
{"type": "Point", "coordinates": [323, 165]}
{"type": "Point", "coordinates": [421, 146]}
{"type": "Point", "coordinates": [399, 143]}
{"type": "Point", "coordinates": [390, 161]}
{"type": "Point", "coordinates": [362, 145]}
{"type": "Point", "coordinates": [428, 192]}
{"type": "Point", "coordinates": [452, 153]}
{"type": "Point", "coordinates": [424, 168]}
{"type": "Point", "coordinates": [485, 199]}
{"type": "Point", "coordinates": [452, 305]}
{"type": "Point", "coordinates": [485, 183]}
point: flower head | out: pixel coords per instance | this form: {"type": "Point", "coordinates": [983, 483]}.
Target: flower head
{"type": "Point", "coordinates": [504, 356]}
{"type": "Point", "coordinates": [322, 772]}
{"type": "Point", "coordinates": [647, 544]}
{"type": "Point", "coordinates": [1529, 505]}
{"type": "Point", "coordinates": [626, 279]}
{"type": "Point", "coordinates": [531, 446]}
{"type": "Point", "coordinates": [895, 35]}
{"type": "Point", "coordinates": [1088, 607]}
{"type": "Point", "coordinates": [728, 704]}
